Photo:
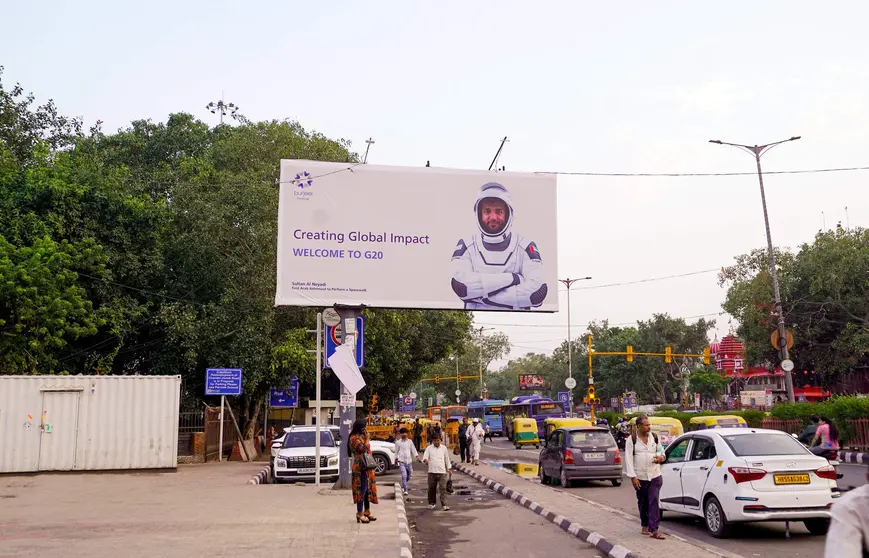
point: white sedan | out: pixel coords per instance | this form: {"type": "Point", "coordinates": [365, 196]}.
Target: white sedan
{"type": "Point", "coordinates": [747, 474]}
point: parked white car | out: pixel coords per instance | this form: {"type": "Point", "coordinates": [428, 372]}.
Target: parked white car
{"type": "Point", "coordinates": [296, 457]}
{"type": "Point", "coordinates": [747, 474]}
{"type": "Point", "coordinates": [383, 452]}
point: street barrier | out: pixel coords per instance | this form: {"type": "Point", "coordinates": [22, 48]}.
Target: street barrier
{"type": "Point", "coordinates": [791, 426]}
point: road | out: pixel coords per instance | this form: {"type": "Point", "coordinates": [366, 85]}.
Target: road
{"type": "Point", "coordinates": [482, 520]}
{"type": "Point", "coordinates": [754, 539]}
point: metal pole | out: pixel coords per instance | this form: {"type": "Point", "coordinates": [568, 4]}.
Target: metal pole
{"type": "Point", "coordinates": [317, 409]}
{"type": "Point", "coordinates": [782, 331]}
{"type": "Point", "coordinates": [348, 413]}
{"type": "Point", "coordinates": [569, 356]}
{"type": "Point", "coordinates": [221, 427]}
{"type": "Point", "coordinates": [266, 418]}
{"type": "Point", "coordinates": [481, 363]}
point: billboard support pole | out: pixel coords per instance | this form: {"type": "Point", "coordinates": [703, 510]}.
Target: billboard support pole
{"type": "Point", "coordinates": [317, 409]}
{"type": "Point", "coordinates": [348, 413]}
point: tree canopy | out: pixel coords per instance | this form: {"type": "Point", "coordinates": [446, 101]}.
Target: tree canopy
{"type": "Point", "coordinates": [152, 250]}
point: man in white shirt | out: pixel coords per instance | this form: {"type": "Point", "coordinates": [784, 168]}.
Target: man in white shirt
{"type": "Point", "coordinates": [848, 536]}
{"type": "Point", "coordinates": [643, 457]}
{"type": "Point", "coordinates": [437, 457]}
{"type": "Point", "coordinates": [475, 435]}
{"type": "Point", "coordinates": [405, 453]}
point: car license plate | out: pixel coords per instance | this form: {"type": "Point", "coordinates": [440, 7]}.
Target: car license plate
{"type": "Point", "coordinates": [308, 471]}
{"type": "Point", "coordinates": [792, 479]}
{"type": "Point", "coordinates": [594, 456]}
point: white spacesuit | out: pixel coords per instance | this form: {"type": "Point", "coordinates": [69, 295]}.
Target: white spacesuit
{"type": "Point", "coordinates": [495, 268]}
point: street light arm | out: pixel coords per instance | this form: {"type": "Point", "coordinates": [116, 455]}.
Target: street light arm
{"type": "Point", "coordinates": [765, 148]}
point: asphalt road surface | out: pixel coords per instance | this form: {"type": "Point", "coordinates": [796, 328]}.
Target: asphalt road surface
{"type": "Point", "coordinates": [482, 521]}
{"type": "Point", "coordinates": [750, 540]}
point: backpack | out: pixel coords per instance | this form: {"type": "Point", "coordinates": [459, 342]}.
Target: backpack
{"type": "Point", "coordinates": [634, 441]}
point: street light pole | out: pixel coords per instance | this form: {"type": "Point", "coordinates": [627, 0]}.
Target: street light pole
{"type": "Point", "coordinates": [758, 151]}
{"type": "Point", "coordinates": [221, 107]}
{"type": "Point", "coordinates": [370, 142]}
{"type": "Point", "coordinates": [568, 282]}
{"type": "Point", "coordinates": [482, 384]}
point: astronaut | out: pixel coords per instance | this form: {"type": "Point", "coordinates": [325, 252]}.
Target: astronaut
{"type": "Point", "coordinates": [496, 268]}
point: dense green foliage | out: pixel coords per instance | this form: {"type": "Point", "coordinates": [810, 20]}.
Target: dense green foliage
{"type": "Point", "coordinates": [153, 251]}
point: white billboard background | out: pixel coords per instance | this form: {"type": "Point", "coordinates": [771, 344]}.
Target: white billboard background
{"type": "Point", "coordinates": [421, 215]}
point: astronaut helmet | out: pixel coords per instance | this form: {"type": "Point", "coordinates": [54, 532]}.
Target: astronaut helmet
{"type": "Point", "coordinates": [494, 191]}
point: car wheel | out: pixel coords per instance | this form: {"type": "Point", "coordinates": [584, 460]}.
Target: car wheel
{"type": "Point", "coordinates": [616, 482]}
{"type": "Point", "coordinates": [716, 521]}
{"type": "Point", "coordinates": [565, 482]}
{"type": "Point", "coordinates": [817, 526]}
{"type": "Point", "coordinates": [543, 478]}
{"type": "Point", "coordinates": [382, 464]}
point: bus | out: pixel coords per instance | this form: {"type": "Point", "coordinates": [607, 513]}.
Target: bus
{"type": "Point", "coordinates": [434, 413]}
{"type": "Point", "coordinates": [454, 413]}
{"type": "Point", "coordinates": [530, 406]}
{"type": "Point", "coordinates": [488, 411]}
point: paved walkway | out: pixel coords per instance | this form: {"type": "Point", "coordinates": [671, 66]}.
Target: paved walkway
{"type": "Point", "coordinates": [200, 510]}
{"type": "Point", "coordinates": [616, 527]}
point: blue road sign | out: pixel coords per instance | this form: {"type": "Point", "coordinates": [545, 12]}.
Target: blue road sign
{"type": "Point", "coordinates": [333, 339]}
{"type": "Point", "coordinates": [408, 404]}
{"type": "Point", "coordinates": [285, 398]}
{"type": "Point", "coordinates": [564, 397]}
{"type": "Point", "coordinates": [223, 381]}
{"type": "Point", "coordinates": [614, 402]}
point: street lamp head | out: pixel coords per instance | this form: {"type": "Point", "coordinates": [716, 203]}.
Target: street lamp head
{"type": "Point", "coordinates": [795, 138]}
{"type": "Point", "coordinates": [715, 141]}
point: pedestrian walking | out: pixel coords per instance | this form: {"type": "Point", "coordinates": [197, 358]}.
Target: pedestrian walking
{"type": "Point", "coordinates": [488, 435]}
{"type": "Point", "coordinates": [417, 433]}
{"type": "Point", "coordinates": [364, 486]}
{"type": "Point", "coordinates": [437, 457]}
{"type": "Point", "coordinates": [848, 536]}
{"type": "Point", "coordinates": [475, 438]}
{"type": "Point", "coordinates": [644, 455]}
{"type": "Point", "coordinates": [464, 453]}
{"type": "Point", "coordinates": [405, 453]}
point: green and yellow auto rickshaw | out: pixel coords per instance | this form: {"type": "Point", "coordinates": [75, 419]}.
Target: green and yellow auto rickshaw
{"type": "Point", "coordinates": [525, 433]}
{"type": "Point", "coordinates": [552, 424]}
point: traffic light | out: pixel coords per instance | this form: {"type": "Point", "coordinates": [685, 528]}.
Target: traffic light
{"type": "Point", "coordinates": [630, 352]}
{"type": "Point", "coordinates": [437, 379]}
{"type": "Point", "coordinates": [590, 394]}
{"type": "Point", "coordinates": [706, 357]}
{"type": "Point", "coordinates": [372, 404]}
{"type": "Point", "coordinates": [668, 355]}
{"type": "Point", "coordinates": [597, 401]}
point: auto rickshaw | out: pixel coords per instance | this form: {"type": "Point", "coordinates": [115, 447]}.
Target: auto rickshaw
{"type": "Point", "coordinates": [525, 432]}
{"type": "Point", "coordinates": [667, 428]}
{"type": "Point", "coordinates": [551, 424]}
{"type": "Point", "coordinates": [717, 421]}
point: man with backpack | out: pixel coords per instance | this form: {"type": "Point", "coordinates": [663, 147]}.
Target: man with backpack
{"type": "Point", "coordinates": [643, 457]}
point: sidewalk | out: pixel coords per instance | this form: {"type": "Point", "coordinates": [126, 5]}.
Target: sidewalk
{"type": "Point", "coordinates": [200, 510]}
{"type": "Point", "coordinates": [614, 532]}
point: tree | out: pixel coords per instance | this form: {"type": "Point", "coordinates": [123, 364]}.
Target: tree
{"type": "Point", "coordinates": [825, 295]}
{"type": "Point", "coordinates": [708, 382]}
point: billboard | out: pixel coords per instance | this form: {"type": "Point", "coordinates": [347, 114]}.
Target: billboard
{"type": "Point", "coordinates": [401, 237]}
{"type": "Point", "coordinates": [532, 382]}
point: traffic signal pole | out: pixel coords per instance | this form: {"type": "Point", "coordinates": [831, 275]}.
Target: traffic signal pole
{"type": "Point", "coordinates": [629, 354]}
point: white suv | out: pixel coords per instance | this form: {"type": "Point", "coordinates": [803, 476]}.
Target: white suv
{"type": "Point", "coordinates": [296, 459]}
{"type": "Point", "coordinates": [383, 452]}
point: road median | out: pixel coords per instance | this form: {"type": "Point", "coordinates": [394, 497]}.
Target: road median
{"type": "Point", "coordinates": [615, 534]}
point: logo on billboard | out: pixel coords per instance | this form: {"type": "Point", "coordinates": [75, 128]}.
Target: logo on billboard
{"type": "Point", "coordinates": [303, 181]}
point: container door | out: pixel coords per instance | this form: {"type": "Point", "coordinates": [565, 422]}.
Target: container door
{"type": "Point", "coordinates": [59, 430]}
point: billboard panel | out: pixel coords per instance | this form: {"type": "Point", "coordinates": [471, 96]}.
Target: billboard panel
{"type": "Point", "coordinates": [401, 237]}
{"type": "Point", "coordinates": [532, 382]}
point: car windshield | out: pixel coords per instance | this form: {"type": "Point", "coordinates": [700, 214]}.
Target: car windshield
{"type": "Point", "coordinates": [764, 444]}
{"type": "Point", "coordinates": [307, 439]}
{"type": "Point", "coordinates": [591, 438]}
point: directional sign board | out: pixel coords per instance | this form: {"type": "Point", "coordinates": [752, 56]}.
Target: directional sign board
{"type": "Point", "coordinates": [285, 398]}
{"type": "Point", "coordinates": [564, 397]}
{"type": "Point", "coordinates": [223, 381]}
{"type": "Point", "coordinates": [334, 337]}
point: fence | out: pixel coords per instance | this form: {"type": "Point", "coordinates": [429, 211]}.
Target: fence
{"type": "Point", "coordinates": [212, 433]}
{"type": "Point", "coordinates": [188, 424]}
{"type": "Point", "coordinates": [854, 433]}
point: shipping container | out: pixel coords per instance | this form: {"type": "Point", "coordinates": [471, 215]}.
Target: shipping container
{"type": "Point", "coordinates": [88, 423]}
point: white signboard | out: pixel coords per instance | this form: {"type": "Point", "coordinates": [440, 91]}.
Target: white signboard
{"type": "Point", "coordinates": [401, 237]}
{"type": "Point", "coordinates": [348, 400]}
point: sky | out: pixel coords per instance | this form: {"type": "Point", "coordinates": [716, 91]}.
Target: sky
{"type": "Point", "coordinates": [576, 87]}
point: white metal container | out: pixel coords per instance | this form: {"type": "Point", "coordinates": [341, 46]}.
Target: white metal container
{"type": "Point", "coordinates": [77, 423]}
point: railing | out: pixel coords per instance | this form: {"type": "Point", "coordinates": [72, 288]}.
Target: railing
{"type": "Point", "coordinates": [857, 433]}
{"type": "Point", "coordinates": [188, 424]}
{"type": "Point", "coordinates": [791, 426]}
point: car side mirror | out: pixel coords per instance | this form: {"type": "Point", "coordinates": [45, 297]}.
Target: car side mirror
{"type": "Point", "coordinates": [276, 445]}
